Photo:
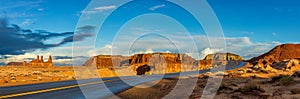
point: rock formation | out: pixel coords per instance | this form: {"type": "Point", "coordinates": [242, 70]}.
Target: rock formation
{"type": "Point", "coordinates": [223, 56]}
{"type": "Point", "coordinates": [39, 62]}
{"type": "Point", "coordinates": [278, 54]}
{"type": "Point", "coordinates": [161, 62]}
{"type": "Point", "coordinates": [168, 62]}
{"type": "Point", "coordinates": [105, 61]}
{"type": "Point", "coordinates": [288, 65]}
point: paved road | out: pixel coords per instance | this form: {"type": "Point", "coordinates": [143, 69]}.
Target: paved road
{"type": "Point", "coordinates": [91, 88]}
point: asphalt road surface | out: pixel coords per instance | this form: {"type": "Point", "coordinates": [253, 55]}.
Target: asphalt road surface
{"type": "Point", "coordinates": [91, 88]}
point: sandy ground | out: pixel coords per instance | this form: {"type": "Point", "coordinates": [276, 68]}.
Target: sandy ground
{"type": "Point", "coordinates": [13, 76]}
{"type": "Point", "coordinates": [231, 88]}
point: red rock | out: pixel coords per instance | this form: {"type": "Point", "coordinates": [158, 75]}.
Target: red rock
{"type": "Point", "coordinates": [277, 54]}
{"type": "Point", "coordinates": [105, 61]}
{"type": "Point", "coordinates": [39, 62]}
{"type": "Point", "coordinates": [223, 56]}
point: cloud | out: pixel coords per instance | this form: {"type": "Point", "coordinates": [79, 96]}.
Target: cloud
{"type": "Point", "coordinates": [247, 33]}
{"type": "Point", "coordinates": [207, 51]}
{"type": "Point", "coordinates": [99, 9]}
{"type": "Point", "coordinates": [103, 8]}
{"type": "Point", "coordinates": [274, 34]}
{"type": "Point", "coordinates": [20, 4]}
{"type": "Point", "coordinates": [62, 57]}
{"type": "Point", "coordinates": [18, 58]}
{"type": "Point", "coordinates": [40, 9]}
{"type": "Point", "coordinates": [106, 50]}
{"type": "Point", "coordinates": [16, 41]}
{"type": "Point", "coordinates": [23, 8]}
{"type": "Point", "coordinates": [68, 61]}
{"type": "Point", "coordinates": [27, 22]}
{"type": "Point", "coordinates": [124, 45]}
{"type": "Point", "coordinates": [156, 7]}
{"type": "Point", "coordinates": [75, 38]}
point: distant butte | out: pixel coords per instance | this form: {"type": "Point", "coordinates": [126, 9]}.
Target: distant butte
{"type": "Point", "coordinates": [38, 62]}
{"type": "Point", "coordinates": [278, 54]}
{"type": "Point", "coordinates": [172, 61]}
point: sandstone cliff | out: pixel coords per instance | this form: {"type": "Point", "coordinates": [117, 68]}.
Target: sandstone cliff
{"type": "Point", "coordinates": [282, 57]}
{"type": "Point", "coordinates": [169, 62]}
{"type": "Point", "coordinates": [223, 56]}
{"type": "Point", "coordinates": [278, 54]}
{"type": "Point", "coordinates": [104, 61]}
{"type": "Point", "coordinates": [162, 62]}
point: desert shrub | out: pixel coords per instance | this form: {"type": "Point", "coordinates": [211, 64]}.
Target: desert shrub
{"type": "Point", "coordinates": [295, 91]}
{"type": "Point", "coordinates": [250, 87]}
{"type": "Point", "coordinates": [286, 80]}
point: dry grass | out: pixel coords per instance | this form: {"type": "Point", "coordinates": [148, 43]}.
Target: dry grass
{"type": "Point", "coordinates": [251, 86]}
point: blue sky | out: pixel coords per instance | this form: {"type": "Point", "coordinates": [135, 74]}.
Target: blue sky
{"type": "Point", "coordinates": [251, 27]}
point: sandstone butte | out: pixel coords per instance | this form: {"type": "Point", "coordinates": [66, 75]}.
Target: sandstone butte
{"type": "Point", "coordinates": [38, 62]}
{"type": "Point", "coordinates": [278, 54]}
{"type": "Point", "coordinates": [171, 62]}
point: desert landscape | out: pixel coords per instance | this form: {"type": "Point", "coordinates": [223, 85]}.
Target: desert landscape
{"type": "Point", "coordinates": [274, 74]}
{"type": "Point", "coordinates": [141, 49]}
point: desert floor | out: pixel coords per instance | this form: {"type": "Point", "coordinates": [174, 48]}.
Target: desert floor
{"type": "Point", "coordinates": [230, 88]}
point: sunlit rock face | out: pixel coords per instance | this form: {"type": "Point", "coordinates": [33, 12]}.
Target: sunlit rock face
{"type": "Point", "coordinates": [159, 62]}
{"type": "Point", "coordinates": [164, 62]}
{"type": "Point", "coordinates": [278, 54]}
{"type": "Point", "coordinates": [204, 64]}
{"type": "Point", "coordinates": [39, 62]}
{"type": "Point", "coordinates": [107, 61]}
{"type": "Point", "coordinates": [223, 56]}
{"type": "Point", "coordinates": [292, 65]}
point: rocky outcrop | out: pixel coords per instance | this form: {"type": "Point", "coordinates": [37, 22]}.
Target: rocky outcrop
{"type": "Point", "coordinates": [15, 64]}
{"type": "Point", "coordinates": [163, 62]}
{"type": "Point", "coordinates": [223, 56]}
{"type": "Point", "coordinates": [168, 62]}
{"type": "Point", "coordinates": [278, 54]}
{"type": "Point", "coordinates": [204, 64]}
{"type": "Point", "coordinates": [104, 61]}
{"type": "Point", "coordinates": [288, 65]}
{"type": "Point", "coordinates": [39, 62]}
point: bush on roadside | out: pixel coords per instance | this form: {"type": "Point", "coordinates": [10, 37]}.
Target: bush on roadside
{"type": "Point", "coordinates": [251, 86]}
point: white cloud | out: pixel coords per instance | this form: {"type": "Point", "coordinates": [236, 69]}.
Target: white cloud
{"type": "Point", "coordinates": [156, 7]}
{"type": "Point", "coordinates": [40, 9]}
{"type": "Point", "coordinates": [27, 22]}
{"type": "Point", "coordinates": [274, 34]}
{"type": "Point", "coordinates": [239, 45]}
{"type": "Point", "coordinates": [103, 8]}
{"type": "Point", "coordinates": [210, 51]}
{"type": "Point", "coordinates": [99, 9]}
{"type": "Point", "coordinates": [106, 50]}
{"type": "Point", "coordinates": [20, 58]}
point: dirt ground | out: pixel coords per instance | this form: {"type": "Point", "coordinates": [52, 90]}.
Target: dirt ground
{"type": "Point", "coordinates": [13, 76]}
{"type": "Point", "coordinates": [230, 88]}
